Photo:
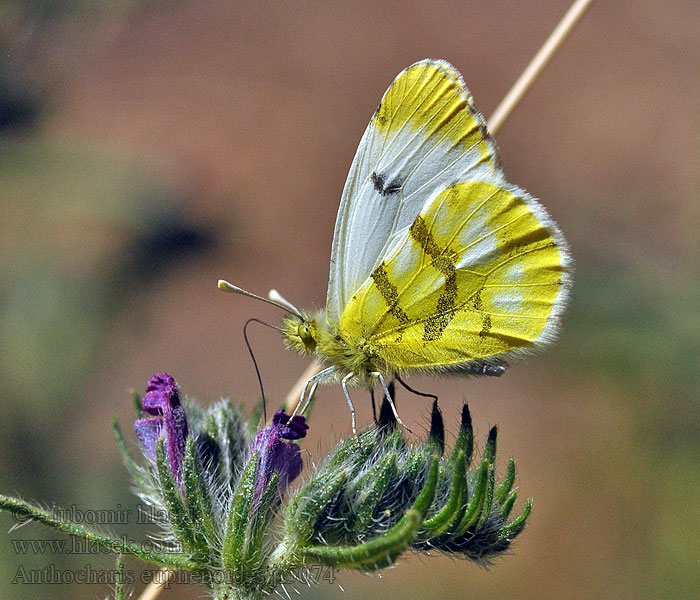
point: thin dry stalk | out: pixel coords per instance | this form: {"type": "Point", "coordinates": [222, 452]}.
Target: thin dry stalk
{"type": "Point", "coordinates": [538, 63]}
{"type": "Point", "coordinates": [294, 395]}
{"type": "Point", "coordinates": [156, 586]}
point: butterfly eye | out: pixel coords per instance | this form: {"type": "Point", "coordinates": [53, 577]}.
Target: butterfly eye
{"type": "Point", "coordinates": [305, 333]}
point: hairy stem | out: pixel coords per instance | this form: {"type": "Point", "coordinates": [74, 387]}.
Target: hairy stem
{"type": "Point", "coordinates": [25, 512]}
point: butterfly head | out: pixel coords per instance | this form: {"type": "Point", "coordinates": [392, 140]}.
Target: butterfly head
{"type": "Point", "coordinates": [300, 333]}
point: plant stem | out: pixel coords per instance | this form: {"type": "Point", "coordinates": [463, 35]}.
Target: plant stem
{"type": "Point", "coordinates": [28, 512]}
{"type": "Point", "coordinates": [516, 93]}
{"type": "Point", "coordinates": [154, 588]}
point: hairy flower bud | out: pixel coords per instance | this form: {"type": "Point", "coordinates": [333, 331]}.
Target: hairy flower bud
{"type": "Point", "coordinates": [354, 512]}
{"type": "Point", "coordinates": [165, 416]}
{"type": "Point", "coordinates": [219, 485]}
{"type": "Point", "coordinates": [275, 455]}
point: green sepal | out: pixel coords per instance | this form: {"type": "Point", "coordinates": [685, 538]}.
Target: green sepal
{"type": "Point", "coordinates": [308, 504]}
{"type": "Point", "coordinates": [427, 494]}
{"type": "Point", "coordinates": [488, 496]}
{"type": "Point", "coordinates": [490, 447]}
{"type": "Point", "coordinates": [197, 500]}
{"type": "Point", "coordinates": [177, 512]}
{"type": "Point", "coordinates": [508, 532]}
{"type": "Point", "coordinates": [392, 439]}
{"type": "Point", "coordinates": [375, 554]}
{"type": "Point", "coordinates": [507, 506]}
{"type": "Point", "coordinates": [373, 485]}
{"type": "Point", "coordinates": [352, 452]}
{"type": "Point", "coordinates": [261, 515]}
{"type": "Point", "coordinates": [436, 435]}
{"type": "Point", "coordinates": [225, 425]}
{"type": "Point", "coordinates": [448, 516]}
{"type": "Point", "coordinates": [465, 437]}
{"type": "Point", "coordinates": [473, 510]}
{"type": "Point", "coordinates": [239, 514]}
{"type": "Point", "coordinates": [506, 485]}
{"type": "Point", "coordinates": [414, 467]}
{"type": "Point", "coordinates": [210, 426]}
{"type": "Point", "coordinates": [464, 444]}
{"type": "Point", "coordinates": [381, 551]}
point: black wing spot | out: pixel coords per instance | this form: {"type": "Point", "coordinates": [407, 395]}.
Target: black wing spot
{"type": "Point", "coordinates": [384, 189]}
{"type": "Point", "coordinates": [381, 119]}
{"type": "Point", "coordinates": [485, 326]}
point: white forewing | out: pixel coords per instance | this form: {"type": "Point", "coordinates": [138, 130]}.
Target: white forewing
{"type": "Point", "coordinates": [393, 174]}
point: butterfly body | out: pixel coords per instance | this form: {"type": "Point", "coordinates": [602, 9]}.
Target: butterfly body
{"type": "Point", "coordinates": [314, 335]}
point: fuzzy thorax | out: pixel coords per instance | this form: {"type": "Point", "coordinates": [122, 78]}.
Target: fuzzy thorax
{"type": "Point", "coordinates": [312, 334]}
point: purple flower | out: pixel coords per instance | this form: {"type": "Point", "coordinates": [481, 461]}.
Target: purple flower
{"type": "Point", "coordinates": [165, 417]}
{"type": "Point", "coordinates": [275, 455]}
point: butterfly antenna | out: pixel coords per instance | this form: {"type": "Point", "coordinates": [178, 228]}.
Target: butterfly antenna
{"type": "Point", "coordinates": [280, 300]}
{"type": "Point", "coordinates": [416, 392]}
{"type": "Point", "coordinates": [255, 362]}
{"type": "Point", "coordinates": [225, 286]}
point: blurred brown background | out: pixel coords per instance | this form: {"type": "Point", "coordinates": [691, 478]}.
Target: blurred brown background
{"type": "Point", "coordinates": [149, 148]}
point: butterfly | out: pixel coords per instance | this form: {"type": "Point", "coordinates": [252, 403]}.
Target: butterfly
{"type": "Point", "coordinates": [438, 264]}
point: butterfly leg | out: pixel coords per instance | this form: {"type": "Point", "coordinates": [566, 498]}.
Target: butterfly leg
{"type": "Point", "coordinates": [347, 397]}
{"type": "Point", "coordinates": [309, 398]}
{"type": "Point", "coordinates": [305, 398]}
{"type": "Point", "coordinates": [390, 400]}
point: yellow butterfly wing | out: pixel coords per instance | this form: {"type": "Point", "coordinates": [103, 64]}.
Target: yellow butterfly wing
{"type": "Point", "coordinates": [481, 273]}
{"type": "Point", "coordinates": [425, 134]}
{"type": "Point", "coordinates": [438, 263]}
